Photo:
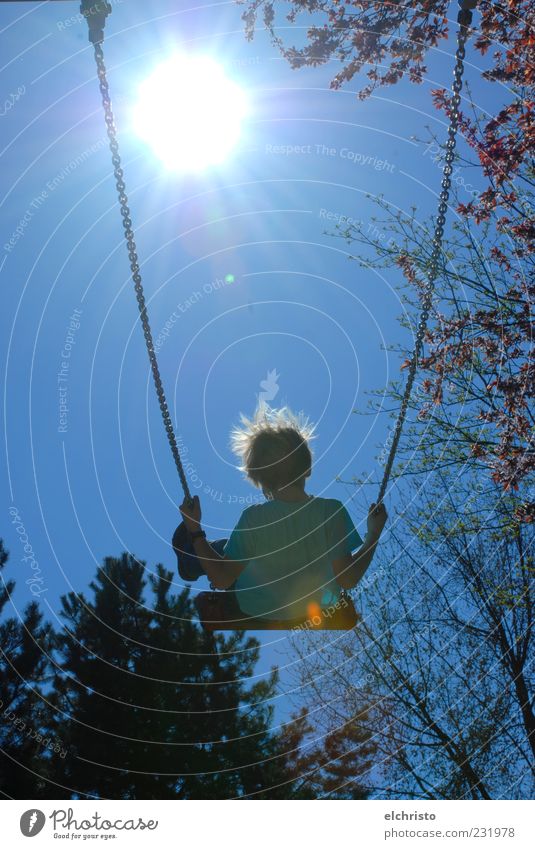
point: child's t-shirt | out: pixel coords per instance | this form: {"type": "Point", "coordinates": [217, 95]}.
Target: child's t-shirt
{"type": "Point", "coordinates": [289, 548]}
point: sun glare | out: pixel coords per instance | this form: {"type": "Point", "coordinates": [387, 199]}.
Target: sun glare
{"type": "Point", "coordinates": [189, 113]}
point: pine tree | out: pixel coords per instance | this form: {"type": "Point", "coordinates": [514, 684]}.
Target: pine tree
{"type": "Point", "coordinates": [153, 706]}
{"type": "Point", "coordinates": [26, 748]}
{"type": "Point", "coordinates": [132, 699]}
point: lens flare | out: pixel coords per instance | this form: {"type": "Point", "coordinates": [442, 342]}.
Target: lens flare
{"type": "Point", "coordinates": [189, 113]}
{"type": "Point", "coordinates": [314, 614]}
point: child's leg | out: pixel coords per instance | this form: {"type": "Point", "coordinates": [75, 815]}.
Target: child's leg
{"type": "Point", "coordinates": [189, 565]}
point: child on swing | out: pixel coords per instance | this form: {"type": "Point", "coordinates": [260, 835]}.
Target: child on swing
{"type": "Point", "coordinates": [294, 552]}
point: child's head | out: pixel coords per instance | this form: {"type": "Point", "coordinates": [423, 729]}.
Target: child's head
{"type": "Point", "coordinates": [273, 448]}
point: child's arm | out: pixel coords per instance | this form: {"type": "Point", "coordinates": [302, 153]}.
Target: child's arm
{"type": "Point", "coordinates": [349, 570]}
{"type": "Point", "coordinates": [221, 571]}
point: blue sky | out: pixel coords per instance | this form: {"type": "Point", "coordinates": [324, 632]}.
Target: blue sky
{"type": "Point", "coordinates": [101, 479]}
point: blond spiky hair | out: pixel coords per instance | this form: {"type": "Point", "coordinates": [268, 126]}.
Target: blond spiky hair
{"type": "Point", "coordinates": [273, 447]}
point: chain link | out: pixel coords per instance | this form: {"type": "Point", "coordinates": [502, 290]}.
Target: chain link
{"type": "Point", "coordinates": [433, 265]}
{"type": "Point", "coordinates": [134, 263]}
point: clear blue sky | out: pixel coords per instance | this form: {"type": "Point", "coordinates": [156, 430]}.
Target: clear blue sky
{"type": "Point", "coordinates": [297, 305]}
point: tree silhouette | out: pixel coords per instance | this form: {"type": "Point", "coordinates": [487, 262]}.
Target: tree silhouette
{"type": "Point", "coordinates": [443, 654]}
{"type": "Point", "coordinates": [26, 750]}
{"type": "Point", "coordinates": [153, 707]}
{"type": "Point", "coordinates": [132, 699]}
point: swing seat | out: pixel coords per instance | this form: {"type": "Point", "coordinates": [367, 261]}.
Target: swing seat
{"type": "Point", "coordinates": [220, 611]}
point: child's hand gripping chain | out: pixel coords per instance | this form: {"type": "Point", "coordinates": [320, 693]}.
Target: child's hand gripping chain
{"type": "Point", "coordinates": [377, 517]}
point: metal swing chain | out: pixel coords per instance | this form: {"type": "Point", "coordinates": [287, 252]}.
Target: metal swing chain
{"type": "Point", "coordinates": [96, 35]}
{"type": "Point", "coordinates": [464, 20]}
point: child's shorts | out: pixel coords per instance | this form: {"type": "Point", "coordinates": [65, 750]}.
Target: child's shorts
{"type": "Point", "coordinates": [189, 565]}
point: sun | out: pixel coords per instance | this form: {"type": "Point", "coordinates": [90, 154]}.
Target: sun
{"type": "Point", "coordinates": [189, 112]}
